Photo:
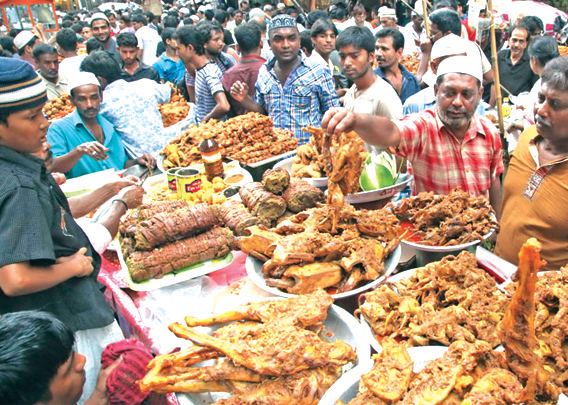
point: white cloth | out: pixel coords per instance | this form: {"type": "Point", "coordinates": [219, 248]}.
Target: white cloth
{"type": "Point", "coordinates": [98, 235]}
{"type": "Point", "coordinates": [409, 28]}
{"type": "Point", "coordinates": [70, 66]}
{"type": "Point", "coordinates": [91, 343]}
{"type": "Point", "coordinates": [351, 23]}
{"type": "Point", "coordinates": [379, 99]}
{"type": "Point", "coordinates": [148, 40]}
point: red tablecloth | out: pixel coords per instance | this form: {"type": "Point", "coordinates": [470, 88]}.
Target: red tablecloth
{"type": "Point", "coordinates": [124, 300]}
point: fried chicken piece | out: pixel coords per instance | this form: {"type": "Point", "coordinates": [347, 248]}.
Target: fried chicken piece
{"type": "Point", "coordinates": [298, 279]}
{"type": "Point", "coordinates": [305, 311]}
{"type": "Point", "coordinates": [259, 243]}
{"type": "Point", "coordinates": [496, 387]}
{"type": "Point", "coordinates": [275, 349]}
{"type": "Point", "coordinates": [302, 388]}
{"type": "Point", "coordinates": [517, 330]}
{"type": "Point", "coordinates": [390, 376]}
{"type": "Point", "coordinates": [439, 377]}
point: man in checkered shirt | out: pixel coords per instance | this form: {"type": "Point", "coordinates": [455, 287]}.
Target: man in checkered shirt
{"type": "Point", "coordinates": [449, 146]}
{"type": "Point", "coordinates": [293, 91]}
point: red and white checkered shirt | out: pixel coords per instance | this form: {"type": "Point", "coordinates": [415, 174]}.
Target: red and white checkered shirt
{"type": "Point", "coordinates": [441, 162]}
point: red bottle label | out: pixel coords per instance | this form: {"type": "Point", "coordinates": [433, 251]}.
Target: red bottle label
{"type": "Point", "coordinates": [193, 187]}
{"type": "Point", "coordinates": [172, 184]}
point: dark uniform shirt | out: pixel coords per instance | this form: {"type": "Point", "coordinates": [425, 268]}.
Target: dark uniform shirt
{"type": "Point", "coordinates": [410, 84]}
{"type": "Point", "coordinates": [143, 72]}
{"type": "Point", "coordinates": [516, 78]}
{"type": "Point", "coordinates": [36, 226]}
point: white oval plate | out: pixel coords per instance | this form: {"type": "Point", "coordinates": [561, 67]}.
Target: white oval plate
{"type": "Point", "coordinates": [286, 164]}
{"type": "Point", "coordinates": [254, 271]}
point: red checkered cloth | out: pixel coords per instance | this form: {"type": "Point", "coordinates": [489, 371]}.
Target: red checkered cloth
{"type": "Point", "coordinates": [441, 162]}
{"type": "Point", "coordinates": [121, 383]}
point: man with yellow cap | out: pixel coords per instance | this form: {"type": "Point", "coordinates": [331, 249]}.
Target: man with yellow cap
{"type": "Point", "coordinates": [449, 145]}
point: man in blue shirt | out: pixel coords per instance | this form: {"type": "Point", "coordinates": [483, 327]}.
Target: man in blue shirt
{"type": "Point", "coordinates": [169, 66]}
{"type": "Point", "coordinates": [294, 92]}
{"type": "Point", "coordinates": [388, 50]}
{"type": "Point", "coordinates": [85, 142]}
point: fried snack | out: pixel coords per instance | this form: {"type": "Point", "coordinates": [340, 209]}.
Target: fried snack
{"type": "Point", "coordinates": [261, 203]}
{"type": "Point", "coordinates": [178, 255]}
{"type": "Point", "coordinates": [237, 217]}
{"type": "Point", "coordinates": [563, 50]}
{"type": "Point", "coordinates": [445, 220]}
{"type": "Point", "coordinates": [301, 195]}
{"type": "Point", "coordinates": [247, 138]}
{"type": "Point", "coordinates": [274, 361]}
{"type": "Point", "coordinates": [445, 301]}
{"type": "Point", "coordinates": [174, 111]}
{"type": "Point", "coordinates": [276, 180]}
{"type": "Point", "coordinates": [59, 107]}
{"type": "Point", "coordinates": [411, 62]}
{"type": "Point", "coordinates": [301, 253]}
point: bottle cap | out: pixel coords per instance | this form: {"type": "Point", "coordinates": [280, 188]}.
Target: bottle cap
{"type": "Point", "coordinates": [207, 135]}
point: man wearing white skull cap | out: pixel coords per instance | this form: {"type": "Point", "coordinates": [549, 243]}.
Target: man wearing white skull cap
{"type": "Point", "coordinates": [449, 146]}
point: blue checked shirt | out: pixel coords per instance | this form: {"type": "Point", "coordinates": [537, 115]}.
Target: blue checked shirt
{"type": "Point", "coordinates": [308, 93]}
{"type": "Point", "coordinates": [132, 108]}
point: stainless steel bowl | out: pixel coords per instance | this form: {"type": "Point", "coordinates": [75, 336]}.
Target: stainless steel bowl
{"type": "Point", "coordinates": [338, 325]}
{"type": "Point", "coordinates": [254, 271]}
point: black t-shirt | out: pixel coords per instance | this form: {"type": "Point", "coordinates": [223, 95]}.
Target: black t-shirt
{"type": "Point", "coordinates": [143, 72]}
{"type": "Point", "coordinates": [36, 225]}
{"type": "Point", "coordinates": [516, 78]}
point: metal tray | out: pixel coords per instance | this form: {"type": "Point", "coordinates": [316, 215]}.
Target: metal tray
{"type": "Point", "coordinates": [286, 164]}
{"type": "Point", "coordinates": [347, 387]}
{"type": "Point", "coordinates": [254, 271]}
{"type": "Point", "coordinates": [338, 325]}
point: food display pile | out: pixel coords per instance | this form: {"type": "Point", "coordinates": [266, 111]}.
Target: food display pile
{"type": "Point", "coordinates": [164, 237]}
{"type": "Point", "coordinates": [445, 220]}
{"type": "Point", "coordinates": [248, 138]}
{"type": "Point", "coordinates": [444, 302]}
{"type": "Point", "coordinates": [471, 372]}
{"type": "Point", "coordinates": [411, 62]}
{"type": "Point", "coordinates": [210, 192]}
{"type": "Point", "coordinates": [174, 111]}
{"type": "Point", "coordinates": [302, 254]}
{"type": "Point", "coordinates": [268, 352]}
{"type": "Point", "coordinates": [59, 107]}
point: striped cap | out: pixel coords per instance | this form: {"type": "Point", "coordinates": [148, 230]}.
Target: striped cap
{"type": "Point", "coordinates": [20, 86]}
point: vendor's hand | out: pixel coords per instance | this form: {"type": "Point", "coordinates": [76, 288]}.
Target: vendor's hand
{"type": "Point", "coordinates": [118, 185]}
{"type": "Point", "coordinates": [132, 196]}
{"type": "Point", "coordinates": [83, 265]}
{"type": "Point", "coordinates": [338, 120]}
{"type": "Point", "coordinates": [239, 91]}
{"type": "Point", "coordinates": [99, 396]}
{"type": "Point", "coordinates": [147, 160]}
{"type": "Point", "coordinates": [426, 47]}
{"type": "Point", "coordinates": [93, 149]}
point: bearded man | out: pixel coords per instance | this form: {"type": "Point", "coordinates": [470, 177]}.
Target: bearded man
{"type": "Point", "coordinates": [449, 145]}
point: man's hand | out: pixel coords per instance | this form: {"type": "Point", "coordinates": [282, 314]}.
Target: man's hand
{"type": "Point", "coordinates": [338, 120]}
{"type": "Point", "coordinates": [147, 160]}
{"type": "Point", "coordinates": [93, 149]}
{"type": "Point", "coordinates": [132, 196]}
{"type": "Point", "coordinates": [83, 265]}
{"type": "Point", "coordinates": [115, 186]}
{"type": "Point", "coordinates": [426, 47]}
{"type": "Point", "coordinates": [99, 396]}
{"type": "Point", "coordinates": [239, 91]}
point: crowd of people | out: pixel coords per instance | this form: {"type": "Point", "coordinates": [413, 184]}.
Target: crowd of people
{"type": "Point", "coordinates": [340, 69]}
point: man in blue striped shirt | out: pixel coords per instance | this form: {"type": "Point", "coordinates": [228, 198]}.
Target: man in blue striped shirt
{"type": "Point", "coordinates": [210, 99]}
{"type": "Point", "coordinates": [294, 92]}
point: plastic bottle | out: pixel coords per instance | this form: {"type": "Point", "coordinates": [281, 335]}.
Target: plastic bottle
{"type": "Point", "coordinates": [211, 155]}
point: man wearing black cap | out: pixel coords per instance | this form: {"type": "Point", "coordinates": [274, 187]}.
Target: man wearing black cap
{"type": "Point", "coordinates": [293, 91]}
{"type": "Point", "coordinates": [46, 260]}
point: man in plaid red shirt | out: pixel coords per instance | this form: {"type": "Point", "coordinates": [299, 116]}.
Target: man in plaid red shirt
{"type": "Point", "coordinates": [449, 145]}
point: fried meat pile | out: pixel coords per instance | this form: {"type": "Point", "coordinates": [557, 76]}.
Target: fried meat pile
{"type": "Point", "coordinates": [302, 253]}
{"type": "Point", "coordinates": [551, 324]}
{"type": "Point", "coordinates": [247, 138]}
{"type": "Point", "coordinates": [471, 373]}
{"type": "Point", "coordinates": [272, 353]}
{"type": "Point", "coordinates": [446, 220]}
{"type": "Point", "coordinates": [174, 111]}
{"type": "Point", "coordinates": [160, 238]}
{"type": "Point", "coordinates": [59, 107]}
{"type": "Point", "coordinates": [443, 302]}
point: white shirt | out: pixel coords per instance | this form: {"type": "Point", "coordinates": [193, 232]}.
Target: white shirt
{"type": "Point", "coordinates": [315, 57]}
{"type": "Point", "coordinates": [68, 67]}
{"type": "Point", "coordinates": [148, 40]}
